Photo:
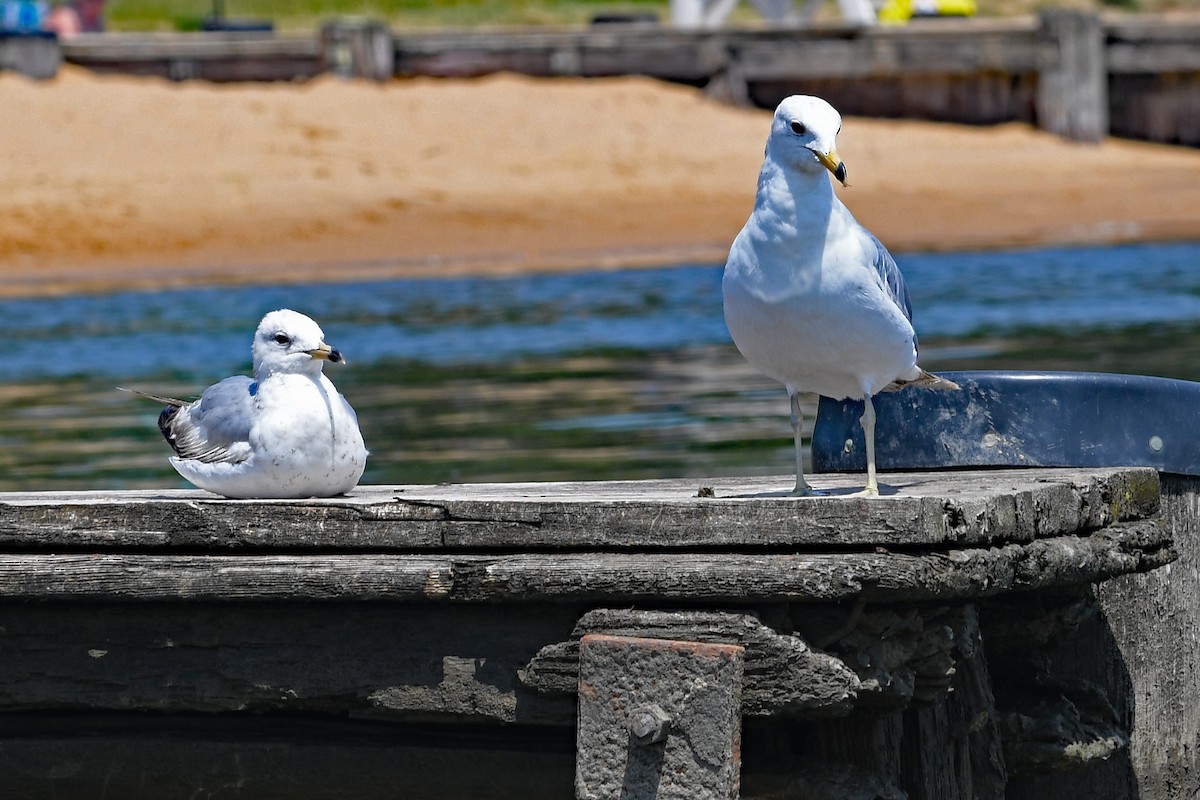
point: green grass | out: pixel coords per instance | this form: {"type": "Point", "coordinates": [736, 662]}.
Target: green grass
{"type": "Point", "coordinates": [307, 15]}
{"type": "Point", "coordinates": [297, 15]}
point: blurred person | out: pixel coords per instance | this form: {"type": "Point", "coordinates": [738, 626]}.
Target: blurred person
{"type": "Point", "coordinates": [23, 16]}
{"type": "Point", "coordinates": [91, 15]}
{"type": "Point", "coordinates": [64, 21]}
{"type": "Point", "coordinates": [69, 19]}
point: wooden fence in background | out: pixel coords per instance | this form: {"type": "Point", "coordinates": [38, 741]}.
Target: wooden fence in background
{"type": "Point", "coordinates": [1074, 73]}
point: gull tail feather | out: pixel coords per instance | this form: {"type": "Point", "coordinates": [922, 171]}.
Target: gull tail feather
{"type": "Point", "coordinates": [923, 379]}
{"type": "Point", "coordinates": [158, 398]}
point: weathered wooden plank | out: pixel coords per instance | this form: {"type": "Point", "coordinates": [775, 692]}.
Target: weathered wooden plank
{"type": "Point", "coordinates": [209, 56]}
{"type": "Point", "coordinates": [842, 52]}
{"type": "Point", "coordinates": [434, 663]}
{"type": "Point", "coordinates": [230, 578]}
{"type": "Point", "coordinates": [429, 663]}
{"type": "Point", "coordinates": [591, 577]}
{"type": "Point", "coordinates": [1152, 45]}
{"type": "Point", "coordinates": [167, 46]}
{"type": "Point", "coordinates": [925, 509]}
{"type": "Point", "coordinates": [783, 674]}
{"type": "Point", "coordinates": [1179, 26]}
{"type": "Point", "coordinates": [888, 53]}
{"type": "Point", "coordinates": [660, 53]}
{"type": "Point", "coordinates": [177, 757]}
{"type": "Point", "coordinates": [798, 578]}
{"type": "Point", "coordinates": [1155, 57]}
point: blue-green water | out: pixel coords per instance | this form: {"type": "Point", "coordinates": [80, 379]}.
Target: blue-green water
{"type": "Point", "coordinates": [592, 375]}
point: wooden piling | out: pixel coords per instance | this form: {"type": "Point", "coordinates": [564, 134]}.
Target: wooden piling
{"type": "Point", "coordinates": [353, 48]}
{"type": "Point", "coordinates": [1072, 87]}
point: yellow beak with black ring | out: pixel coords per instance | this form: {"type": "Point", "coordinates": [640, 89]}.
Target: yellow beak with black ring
{"type": "Point", "coordinates": [834, 164]}
{"type": "Point", "coordinates": [327, 353]}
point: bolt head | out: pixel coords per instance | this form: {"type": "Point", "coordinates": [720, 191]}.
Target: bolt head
{"type": "Point", "coordinates": [649, 724]}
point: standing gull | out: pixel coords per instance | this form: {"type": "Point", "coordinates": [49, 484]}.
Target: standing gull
{"type": "Point", "coordinates": [811, 297]}
{"type": "Point", "coordinates": [285, 433]}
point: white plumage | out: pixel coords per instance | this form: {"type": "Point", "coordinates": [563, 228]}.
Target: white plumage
{"type": "Point", "coordinates": [286, 433]}
{"type": "Point", "coordinates": [812, 298]}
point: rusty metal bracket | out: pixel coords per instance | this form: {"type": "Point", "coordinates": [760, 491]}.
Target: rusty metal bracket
{"type": "Point", "coordinates": [658, 719]}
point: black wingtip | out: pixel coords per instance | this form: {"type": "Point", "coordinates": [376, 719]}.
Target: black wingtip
{"type": "Point", "coordinates": [165, 425]}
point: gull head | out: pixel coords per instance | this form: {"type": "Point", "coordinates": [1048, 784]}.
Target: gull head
{"type": "Point", "coordinates": [803, 134]}
{"type": "Point", "coordinates": [288, 341]}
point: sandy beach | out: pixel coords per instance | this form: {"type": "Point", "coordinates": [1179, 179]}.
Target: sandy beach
{"type": "Point", "coordinates": [118, 182]}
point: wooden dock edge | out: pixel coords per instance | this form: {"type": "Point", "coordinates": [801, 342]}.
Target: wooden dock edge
{"type": "Point", "coordinates": [938, 665]}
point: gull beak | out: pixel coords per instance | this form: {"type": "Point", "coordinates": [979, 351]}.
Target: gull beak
{"type": "Point", "coordinates": [327, 353]}
{"type": "Point", "coordinates": [834, 164]}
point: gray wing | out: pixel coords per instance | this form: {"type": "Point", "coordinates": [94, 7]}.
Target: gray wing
{"type": "Point", "coordinates": [215, 428]}
{"type": "Point", "coordinates": [891, 279]}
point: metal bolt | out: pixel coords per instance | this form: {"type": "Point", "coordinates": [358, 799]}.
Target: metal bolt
{"type": "Point", "coordinates": [1156, 444]}
{"type": "Point", "coordinates": [649, 724]}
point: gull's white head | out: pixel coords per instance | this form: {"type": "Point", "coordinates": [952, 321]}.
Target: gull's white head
{"type": "Point", "coordinates": [803, 134]}
{"type": "Point", "coordinates": [288, 341]}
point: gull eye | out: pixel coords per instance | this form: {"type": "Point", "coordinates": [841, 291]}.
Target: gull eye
{"type": "Point", "coordinates": [282, 339]}
{"type": "Point", "coordinates": [798, 128]}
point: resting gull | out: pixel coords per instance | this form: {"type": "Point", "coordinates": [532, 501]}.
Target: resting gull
{"type": "Point", "coordinates": [285, 433]}
{"type": "Point", "coordinates": [812, 298]}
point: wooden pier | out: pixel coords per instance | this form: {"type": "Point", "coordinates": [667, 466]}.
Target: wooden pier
{"type": "Point", "coordinates": [650, 639]}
